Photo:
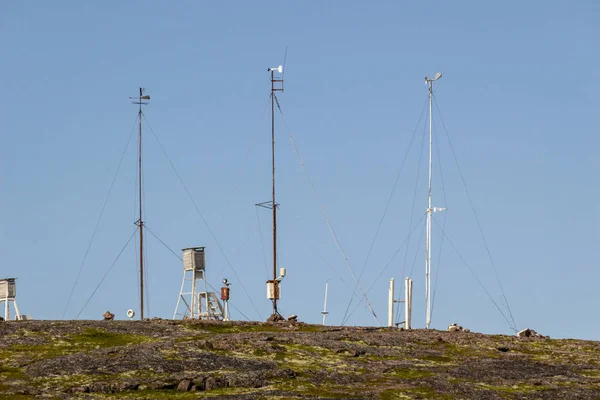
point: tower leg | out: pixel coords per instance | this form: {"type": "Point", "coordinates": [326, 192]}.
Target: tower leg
{"type": "Point", "coordinates": [6, 311]}
{"type": "Point", "coordinates": [179, 298]}
{"type": "Point", "coordinates": [17, 309]}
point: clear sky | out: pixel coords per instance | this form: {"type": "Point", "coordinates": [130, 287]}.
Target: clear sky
{"type": "Point", "coordinates": [518, 98]}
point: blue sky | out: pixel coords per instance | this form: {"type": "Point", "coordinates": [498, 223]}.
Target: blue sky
{"type": "Point", "coordinates": [518, 98]}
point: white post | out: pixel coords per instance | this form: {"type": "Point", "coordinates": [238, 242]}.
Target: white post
{"type": "Point", "coordinates": [407, 303]}
{"type": "Point", "coordinates": [6, 310]}
{"type": "Point", "coordinates": [324, 312]}
{"type": "Point", "coordinates": [391, 304]}
{"type": "Point", "coordinates": [226, 316]}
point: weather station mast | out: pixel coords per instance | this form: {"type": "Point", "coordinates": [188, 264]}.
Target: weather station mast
{"type": "Point", "coordinates": [430, 209]}
{"type": "Point", "coordinates": [141, 100]}
{"type": "Point", "coordinates": [273, 285]}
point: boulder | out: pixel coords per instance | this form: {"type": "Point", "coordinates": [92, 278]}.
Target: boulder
{"type": "Point", "coordinates": [275, 318]}
{"type": "Point", "coordinates": [184, 386]}
{"type": "Point", "coordinates": [457, 328]}
{"type": "Point", "coordinates": [530, 333]}
{"type": "Point", "coordinates": [293, 318]}
{"type": "Point", "coordinates": [108, 316]}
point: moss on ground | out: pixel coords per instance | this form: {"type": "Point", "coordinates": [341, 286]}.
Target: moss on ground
{"type": "Point", "coordinates": [304, 363]}
{"type": "Point", "coordinates": [422, 392]}
{"type": "Point", "coordinates": [409, 373]}
{"type": "Point", "coordinates": [517, 389]}
{"type": "Point", "coordinates": [223, 328]}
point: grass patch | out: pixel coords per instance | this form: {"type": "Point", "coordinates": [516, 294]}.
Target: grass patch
{"type": "Point", "coordinates": [310, 328]}
{"type": "Point", "coordinates": [7, 372]}
{"type": "Point", "coordinates": [101, 338]}
{"type": "Point", "coordinates": [174, 394]}
{"type": "Point", "coordinates": [90, 339]}
{"type": "Point", "coordinates": [220, 328]}
{"type": "Point", "coordinates": [434, 358]}
{"type": "Point", "coordinates": [520, 388]}
{"type": "Point", "coordinates": [410, 393]}
{"type": "Point", "coordinates": [301, 386]}
{"type": "Point", "coordinates": [590, 373]}
{"type": "Point", "coordinates": [407, 373]}
{"type": "Point", "coordinates": [260, 353]}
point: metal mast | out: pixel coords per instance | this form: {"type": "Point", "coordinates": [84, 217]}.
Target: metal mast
{"type": "Point", "coordinates": [273, 203]}
{"type": "Point", "coordinates": [140, 222]}
{"type": "Point", "coordinates": [276, 86]}
{"type": "Point", "coordinates": [430, 210]}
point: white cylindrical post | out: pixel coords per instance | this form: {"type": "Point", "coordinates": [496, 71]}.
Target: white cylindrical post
{"type": "Point", "coordinates": [391, 304]}
{"type": "Point", "coordinates": [407, 302]}
{"type": "Point", "coordinates": [226, 316]}
{"type": "Point", "coordinates": [6, 310]}
{"type": "Point", "coordinates": [325, 304]}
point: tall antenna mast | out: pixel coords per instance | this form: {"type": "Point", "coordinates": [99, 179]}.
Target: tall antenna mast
{"type": "Point", "coordinates": [140, 223]}
{"type": "Point", "coordinates": [273, 286]}
{"type": "Point", "coordinates": [430, 210]}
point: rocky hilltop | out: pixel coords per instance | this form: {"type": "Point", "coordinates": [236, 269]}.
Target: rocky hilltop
{"type": "Point", "coordinates": [162, 359]}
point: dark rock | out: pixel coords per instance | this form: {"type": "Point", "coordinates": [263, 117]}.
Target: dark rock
{"type": "Point", "coordinates": [290, 373]}
{"type": "Point", "coordinates": [184, 386]}
{"type": "Point", "coordinates": [357, 353]}
{"type": "Point", "coordinates": [129, 386]}
{"type": "Point", "coordinates": [103, 387]}
{"type": "Point", "coordinates": [275, 318]}
{"type": "Point", "coordinates": [206, 344]}
{"type": "Point", "coordinates": [157, 385]}
{"type": "Point", "coordinates": [249, 380]}
{"type": "Point", "coordinates": [503, 349]}
{"type": "Point", "coordinates": [108, 316]}
{"type": "Point", "coordinates": [209, 383]}
{"type": "Point", "coordinates": [81, 389]}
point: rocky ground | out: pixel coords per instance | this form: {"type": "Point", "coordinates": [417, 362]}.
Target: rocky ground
{"type": "Point", "coordinates": [192, 359]}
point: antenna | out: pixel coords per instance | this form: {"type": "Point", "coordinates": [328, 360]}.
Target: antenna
{"type": "Point", "coordinates": [273, 285]}
{"type": "Point", "coordinates": [283, 72]}
{"type": "Point", "coordinates": [430, 209]}
{"type": "Point", "coordinates": [140, 223]}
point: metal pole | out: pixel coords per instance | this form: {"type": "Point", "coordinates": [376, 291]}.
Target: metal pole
{"type": "Point", "coordinates": [275, 283]}
{"type": "Point", "coordinates": [429, 210]}
{"type": "Point", "coordinates": [141, 223]}
{"type": "Point", "coordinates": [391, 304]}
{"type": "Point", "coordinates": [407, 302]}
{"type": "Point", "coordinates": [325, 304]}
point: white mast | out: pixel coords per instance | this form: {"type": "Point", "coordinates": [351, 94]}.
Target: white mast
{"type": "Point", "coordinates": [429, 208]}
{"type": "Point", "coordinates": [324, 312]}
